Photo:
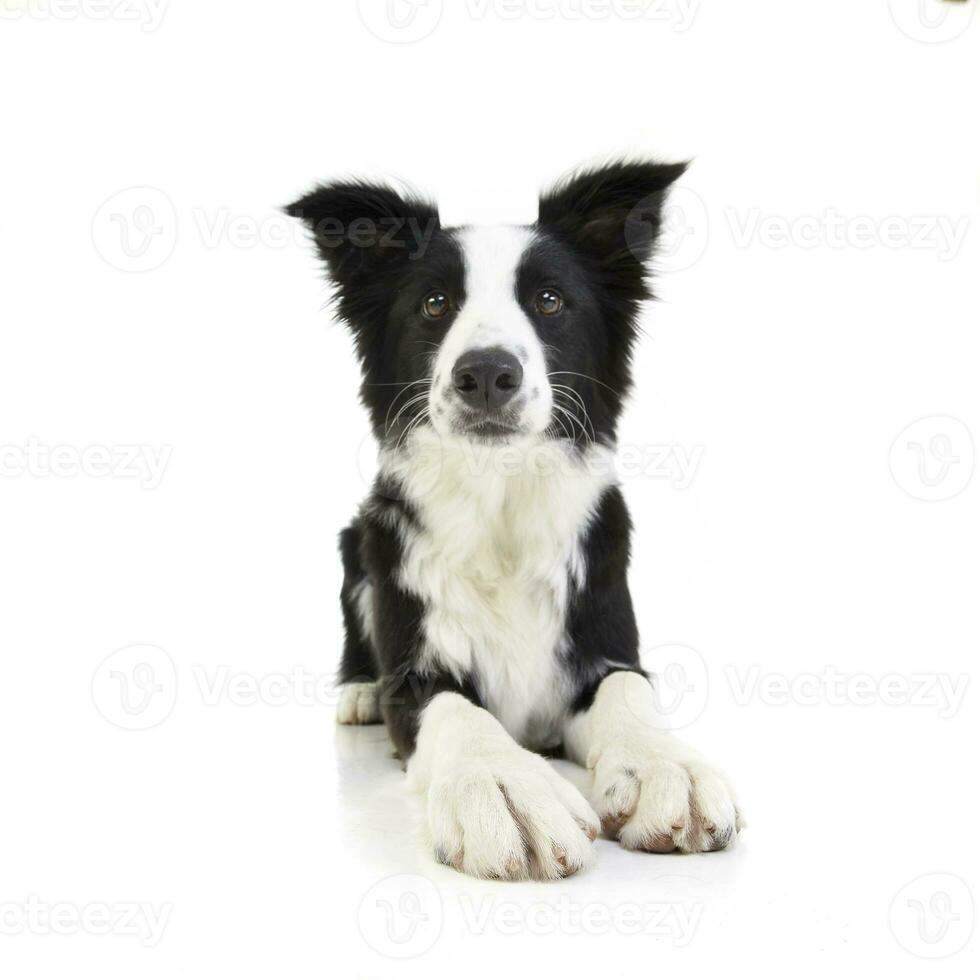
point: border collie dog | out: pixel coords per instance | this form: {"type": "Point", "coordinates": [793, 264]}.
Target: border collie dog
{"type": "Point", "coordinates": [488, 617]}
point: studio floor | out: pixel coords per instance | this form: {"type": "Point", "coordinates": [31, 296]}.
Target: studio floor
{"type": "Point", "coordinates": [820, 878]}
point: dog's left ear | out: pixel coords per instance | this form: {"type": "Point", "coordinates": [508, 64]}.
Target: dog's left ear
{"type": "Point", "coordinates": [614, 213]}
{"type": "Point", "coordinates": [361, 227]}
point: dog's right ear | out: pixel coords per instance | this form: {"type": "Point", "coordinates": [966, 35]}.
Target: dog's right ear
{"type": "Point", "coordinates": [361, 228]}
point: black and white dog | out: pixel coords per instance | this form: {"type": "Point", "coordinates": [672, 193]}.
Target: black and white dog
{"type": "Point", "coordinates": [485, 593]}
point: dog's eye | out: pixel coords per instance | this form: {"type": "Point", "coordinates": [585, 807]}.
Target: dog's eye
{"type": "Point", "coordinates": [435, 305]}
{"type": "Point", "coordinates": [548, 302]}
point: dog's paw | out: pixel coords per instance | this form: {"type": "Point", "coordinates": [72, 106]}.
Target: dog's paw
{"type": "Point", "coordinates": [359, 704]}
{"type": "Point", "coordinates": [660, 801]}
{"type": "Point", "coordinates": [509, 815]}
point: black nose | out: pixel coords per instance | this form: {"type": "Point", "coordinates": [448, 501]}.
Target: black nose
{"type": "Point", "coordinates": [487, 379]}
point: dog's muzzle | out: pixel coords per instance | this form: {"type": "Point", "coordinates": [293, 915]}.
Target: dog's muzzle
{"type": "Point", "coordinates": [486, 380]}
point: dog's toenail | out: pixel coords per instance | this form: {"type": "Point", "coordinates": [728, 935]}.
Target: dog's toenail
{"type": "Point", "coordinates": [660, 844]}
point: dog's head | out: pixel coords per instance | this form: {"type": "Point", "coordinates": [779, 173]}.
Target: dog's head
{"type": "Point", "coordinates": [499, 334]}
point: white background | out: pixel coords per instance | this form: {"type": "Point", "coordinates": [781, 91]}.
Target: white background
{"type": "Point", "coordinates": [814, 306]}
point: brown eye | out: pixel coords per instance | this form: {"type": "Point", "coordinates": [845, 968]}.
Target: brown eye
{"type": "Point", "coordinates": [435, 305]}
{"type": "Point", "coordinates": [548, 302]}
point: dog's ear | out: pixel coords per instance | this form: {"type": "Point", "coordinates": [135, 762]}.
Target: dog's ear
{"type": "Point", "coordinates": [360, 227]}
{"type": "Point", "coordinates": [614, 213]}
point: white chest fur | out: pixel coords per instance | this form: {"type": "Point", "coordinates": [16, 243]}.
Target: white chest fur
{"type": "Point", "coordinates": [496, 558]}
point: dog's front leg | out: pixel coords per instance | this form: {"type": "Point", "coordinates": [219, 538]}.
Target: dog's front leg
{"type": "Point", "coordinates": [494, 809]}
{"type": "Point", "coordinates": [652, 791]}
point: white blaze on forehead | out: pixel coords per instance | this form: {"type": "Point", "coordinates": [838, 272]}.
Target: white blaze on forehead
{"type": "Point", "coordinates": [492, 257]}
{"type": "Point", "coordinates": [491, 315]}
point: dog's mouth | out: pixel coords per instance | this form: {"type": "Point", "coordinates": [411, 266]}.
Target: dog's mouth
{"type": "Point", "coordinates": [490, 427]}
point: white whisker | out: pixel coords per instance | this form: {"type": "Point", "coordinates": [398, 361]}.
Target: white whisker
{"type": "Point", "coordinates": [417, 399]}
{"type": "Point", "coordinates": [588, 377]}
